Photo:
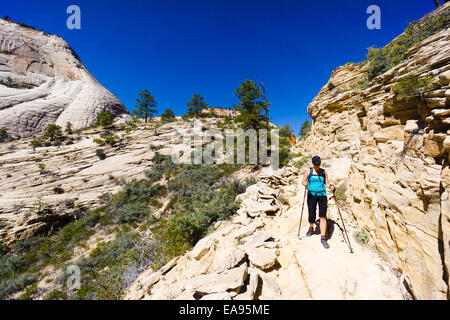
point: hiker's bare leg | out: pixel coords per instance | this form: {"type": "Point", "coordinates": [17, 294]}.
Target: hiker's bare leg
{"type": "Point", "coordinates": [323, 226]}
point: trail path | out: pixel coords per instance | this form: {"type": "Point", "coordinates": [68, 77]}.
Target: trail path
{"type": "Point", "coordinates": [257, 255]}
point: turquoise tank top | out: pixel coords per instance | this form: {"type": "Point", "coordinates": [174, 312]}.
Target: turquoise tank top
{"type": "Point", "coordinates": [316, 185]}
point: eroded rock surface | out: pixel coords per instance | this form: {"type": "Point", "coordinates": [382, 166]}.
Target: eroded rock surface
{"type": "Point", "coordinates": [43, 81]}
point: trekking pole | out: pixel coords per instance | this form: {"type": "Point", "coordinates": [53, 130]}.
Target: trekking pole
{"type": "Point", "coordinates": [337, 205]}
{"type": "Point", "coordinates": [301, 216]}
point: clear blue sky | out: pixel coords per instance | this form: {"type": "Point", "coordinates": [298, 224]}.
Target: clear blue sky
{"type": "Point", "coordinates": [178, 48]}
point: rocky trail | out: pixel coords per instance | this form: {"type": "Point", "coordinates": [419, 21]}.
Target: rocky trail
{"type": "Point", "coordinates": [257, 255]}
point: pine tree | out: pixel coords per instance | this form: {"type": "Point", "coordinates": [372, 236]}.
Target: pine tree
{"type": "Point", "coordinates": [195, 106]}
{"type": "Point", "coordinates": [304, 129]}
{"type": "Point", "coordinates": [53, 132]}
{"type": "Point", "coordinates": [146, 105]}
{"type": "Point", "coordinates": [253, 109]}
{"type": "Point", "coordinates": [168, 115]}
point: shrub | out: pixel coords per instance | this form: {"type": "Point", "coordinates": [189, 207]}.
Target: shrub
{"type": "Point", "coordinates": [53, 132]}
{"type": "Point", "coordinates": [58, 190]}
{"type": "Point", "coordinates": [194, 175]}
{"type": "Point", "coordinates": [340, 193]}
{"type": "Point", "coordinates": [381, 60]}
{"type": "Point", "coordinates": [163, 167]}
{"type": "Point", "coordinates": [3, 135]}
{"type": "Point", "coordinates": [203, 209]}
{"type": "Point", "coordinates": [104, 119]}
{"type": "Point", "coordinates": [331, 86]}
{"type": "Point", "coordinates": [380, 63]}
{"type": "Point", "coordinates": [111, 140]}
{"type": "Point", "coordinates": [168, 116]}
{"type": "Point", "coordinates": [56, 295]}
{"type": "Point", "coordinates": [362, 237]}
{"type": "Point", "coordinates": [412, 86]}
{"type": "Point", "coordinates": [69, 128]}
{"type": "Point", "coordinates": [98, 141]}
{"type": "Point", "coordinates": [100, 154]}
{"type": "Point", "coordinates": [300, 163]}
{"type": "Point", "coordinates": [113, 266]}
{"type": "Point", "coordinates": [41, 167]}
{"type": "Point", "coordinates": [36, 143]}
{"type": "Point", "coordinates": [13, 285]}
{"type": "Point", "coordinates": [138, 190]}
{"type": "Point", "coordinates": [131, 212]}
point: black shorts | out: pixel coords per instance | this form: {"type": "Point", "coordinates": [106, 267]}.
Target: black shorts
{"type": "Point", "coordinates": [312, 205]}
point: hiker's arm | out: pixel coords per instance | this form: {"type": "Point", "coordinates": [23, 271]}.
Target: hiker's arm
{"type": "Point", "coordinates": [305, 179]}
{"type": "Point", "coordinates": [327, 182]}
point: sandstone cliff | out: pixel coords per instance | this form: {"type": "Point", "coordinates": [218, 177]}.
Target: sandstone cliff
{"type": "Point", "coordinates": [42, 81]}
{"type": "Point", "coordinates": [398, 184]}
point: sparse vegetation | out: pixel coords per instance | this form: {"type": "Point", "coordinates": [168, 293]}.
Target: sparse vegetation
{"type": "Point", "coordinates": [362, 236]}
{"type": "Point", "coordinates": [58, 190]}
{"type": "Point", "coordinates": [411, 86]}
{"type": "Point", "coordinates": [300, 163]}
{"type": "Point", "coordinates": [3, 135]}
{"type": "Point", "coordinates": [340, 193]}
{"type": "Point", "coordinates": [100, 154]}
{"type": "Point", "coordinates": [104, 119]}
{"type": "Point", "coordinates": [383, 59]}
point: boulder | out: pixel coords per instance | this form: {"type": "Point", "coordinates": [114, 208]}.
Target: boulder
{"type": "Point", "coordinates": [262, 258]}
{"type": "Point", "coordinates": [215, 283]}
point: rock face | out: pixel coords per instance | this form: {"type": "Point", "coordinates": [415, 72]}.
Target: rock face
{"type": "Point", "coordinates": [398, 182]}
{"type": "Point", "coordinates": [222, 112]}
{"type": "Point", "coordinates": [43, 81]}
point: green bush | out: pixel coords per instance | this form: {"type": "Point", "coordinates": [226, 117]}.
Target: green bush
{"type": "Point", "coordinates": [130, 212]}
{"type": "Point", "coordinates": [104, 119]}
{"type": "Point", "coordinates": [56, 295]}
{"type": "Point", "coordinates": [98, 141]}
{"type": "Point", "coordinates": [58, 190]}
{"type": "Point", "coordinates": [340, 193]}
{"type": "Point", "coordinates": [168, 116]}
{"type": "Point", "coordinates": [362, 237]}
{"type": "Point", "coordinates": [300, 163]}
{"type": "Point", "coordinates": [412, 86]}
{"type": "Point", "coordinates": [53, 132]}
{"type": "Point", "coordinates": [382, 60]}
{"type": "Point", "coordinates": [100, 154]}
{"type": "Point", "coordinates": [380, 63]}
{"type": "Point", "coordinates": [3, 135]}
{"type": "Point", "coordinates": [13, 285]}
{"type": "Point", "coordinates": [35, 143]}
{"type": "Point", "coordinates": [113, 266]}
{"type": "Point", "coordinates": [163, 167]}
{"type": "Point", "coordinates": [69, 128]}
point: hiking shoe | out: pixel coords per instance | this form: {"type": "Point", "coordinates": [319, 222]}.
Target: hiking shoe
{"type": "Point", "coordinates": [324, 242]}
{"type": "Point", "coordinates": [310, 232]}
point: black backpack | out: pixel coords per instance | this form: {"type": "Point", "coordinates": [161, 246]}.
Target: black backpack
{"type": "Point", "coordinates": [321, 174]}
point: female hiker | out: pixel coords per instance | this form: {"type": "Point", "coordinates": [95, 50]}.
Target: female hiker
{"type": "Point", "coordinates": [315, 179]}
